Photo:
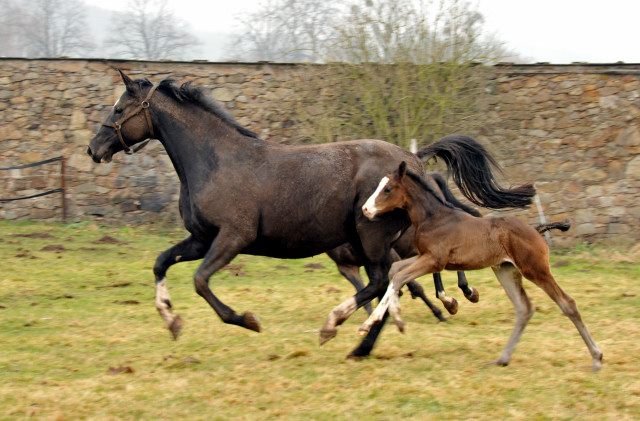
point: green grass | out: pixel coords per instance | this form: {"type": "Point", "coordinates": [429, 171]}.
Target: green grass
{"type": "Point", "coordinates": [81, 339]}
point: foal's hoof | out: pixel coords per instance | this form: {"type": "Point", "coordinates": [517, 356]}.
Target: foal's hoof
{"type": "Point", "coordinates": [251, 321]}
{"type": "Point", "coordinates": [474, 297]}
{"type": "Point", "coordinates": [326, 335]}
{"type": "Point", "coordinates": [176, 327]}
{"type": "Point", "coordinates": [451, 306]}
{"type": "Point", "coordinates": [363, 331]}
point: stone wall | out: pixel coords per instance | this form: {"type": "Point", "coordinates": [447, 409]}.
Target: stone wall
{"type": "Point", "coordinates": [573, 130]}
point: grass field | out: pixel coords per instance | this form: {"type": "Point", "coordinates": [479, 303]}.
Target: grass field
{"type": "Point", "coordinates": [81, 339]}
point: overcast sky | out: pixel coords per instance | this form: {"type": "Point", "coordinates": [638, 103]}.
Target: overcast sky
{"type": "Point", "coordinates": [556, 31]}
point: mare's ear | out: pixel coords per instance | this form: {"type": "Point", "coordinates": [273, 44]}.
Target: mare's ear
{"type": "Point", "coordinates": [402, 170]}
{"type": "Point", "coordinates": [128, 82]}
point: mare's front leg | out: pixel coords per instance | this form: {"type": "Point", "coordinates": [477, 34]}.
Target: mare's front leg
{"type": "Point", "coordinates": [188, 249]}
{"type": "Point", "coordinates": [470, 293]}
{"type": "Point", "coordinates": [224, 248]}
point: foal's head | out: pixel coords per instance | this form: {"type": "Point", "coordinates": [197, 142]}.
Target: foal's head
{"type": "Point", "coordinates": [389, 195]}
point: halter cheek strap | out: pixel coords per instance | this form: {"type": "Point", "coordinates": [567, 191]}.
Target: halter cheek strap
{"type": "Point", "coordinates": [144, 106]}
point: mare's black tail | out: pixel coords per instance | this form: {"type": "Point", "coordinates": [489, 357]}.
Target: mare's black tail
{"type": "Point", "coordinates": [470, 165]}
{"type": "Point", "coordinates": [562, 226]}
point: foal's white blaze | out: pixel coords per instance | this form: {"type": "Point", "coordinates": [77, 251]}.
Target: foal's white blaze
{"type": "Point", "coordinates": [369, 207]}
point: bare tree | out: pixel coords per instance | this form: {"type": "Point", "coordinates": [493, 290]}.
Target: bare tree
{"type": "Point", "coordinates": [149, 30]}
{"type": "Point", "coordinates": [286, 30]}
{"type": "Point", "coordinates": [46, 28]}
{"type": "Point", "coordinates": [403, 69]}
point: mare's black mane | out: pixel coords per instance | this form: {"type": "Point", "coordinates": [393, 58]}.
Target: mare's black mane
{"type": "Point", "coordinates": [197, 96]}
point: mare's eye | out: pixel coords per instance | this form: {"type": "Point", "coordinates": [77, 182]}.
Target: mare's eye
{"type": "Point", "coordinates": [118, 110]}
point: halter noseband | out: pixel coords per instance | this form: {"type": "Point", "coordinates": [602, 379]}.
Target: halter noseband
{"type": "Point", "coordinates": [144, 106]}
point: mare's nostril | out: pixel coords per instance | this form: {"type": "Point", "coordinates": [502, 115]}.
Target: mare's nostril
{"type": "Point", "coordinates": [89, 151]}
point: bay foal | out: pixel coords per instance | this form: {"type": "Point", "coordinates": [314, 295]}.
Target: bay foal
{"type": "Point", "coordinates": [447, 238]}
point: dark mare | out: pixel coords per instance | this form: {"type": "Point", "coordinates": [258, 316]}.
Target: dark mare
{"type": "Point", "coordinates": [447, 238]}
{"type": "Point", "coordinates": [241, 194]}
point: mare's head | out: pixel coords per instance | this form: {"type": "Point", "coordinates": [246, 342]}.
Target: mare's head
{"type": "Point", "coordinates": [389, 195]}
{"type": "Point", "coordinates": [128, 123]}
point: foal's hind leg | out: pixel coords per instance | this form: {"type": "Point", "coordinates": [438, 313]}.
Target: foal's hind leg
{"type": "Point", "coordinates": [186, 250]}
{"type": "Point", "coordinates": [470, 293]}
{"type": "Point", "coordinates": [450, 303]}
{"type": "Point", "coordinates": [511, 280]}
{"type": "Point", "coordinates": [545, 280]}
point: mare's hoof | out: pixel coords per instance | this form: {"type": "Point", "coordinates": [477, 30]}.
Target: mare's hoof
{"type": "Point", "coordinates": [401, 326]}
{"type": "Point", "coordinates": [176, 327]}
{"type": "Point", "coordinates": [452, 306]}
{"type": "Point", "coordinates": [474, 297]}
{"type": "Point", "coordinates": [251, 321]}
{"type": "Point", "coordinates": [326, 335]}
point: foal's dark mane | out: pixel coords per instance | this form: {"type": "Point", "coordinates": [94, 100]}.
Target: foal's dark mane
{"type": "Point", "coordinates": [422, 182]}
{"type": "Point", "coordinates": [197, 96]}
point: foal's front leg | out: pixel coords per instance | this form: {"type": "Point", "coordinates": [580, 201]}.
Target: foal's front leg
{"type": "Point", "coordinates": [417, 267]}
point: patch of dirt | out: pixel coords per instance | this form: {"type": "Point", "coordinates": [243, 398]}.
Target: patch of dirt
{"type": "Point", "coordinates": [58, 248]}
{"type": "Point", "coordinates": [314, 266]}
{"type": "Point", "coordinates": [235, 270]}
{"type": "Point", "coordinates": [26, 255]}
{"type": "Point", "coordinates": [107, 240]}
{"type": "Point", "coordinates": [36, 235]}
{"type": "Point", "coordinates": [127, 302]}
{"type": "Point", "coordinates": [113, 371]}
{"type": "Point", "coordinates": [118, 285]}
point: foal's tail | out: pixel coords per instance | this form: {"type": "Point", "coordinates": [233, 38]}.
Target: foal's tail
{"type": "Point", "coordinates": [562, 226]}
{"type": "Point", "coordinates": [470, 165]}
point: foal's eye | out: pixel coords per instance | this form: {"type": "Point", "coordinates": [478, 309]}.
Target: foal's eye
{"type": "Point", "coordinates": [387, 190]}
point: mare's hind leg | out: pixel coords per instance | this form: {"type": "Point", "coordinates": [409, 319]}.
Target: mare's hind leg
{"type": "Point", "coordinates": [511, 280]}
{"type": "Point", "coordinates": [470, 293]}
{"type": "Point", "coordinates": [545, 280]}
{"type": "Point", "coordinates": [224, 248]}
{"type": "Point", "coordinates": [186, 250]}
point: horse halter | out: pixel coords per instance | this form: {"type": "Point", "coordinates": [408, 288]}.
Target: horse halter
{"type": "Point", "coordinates": [144, 106]}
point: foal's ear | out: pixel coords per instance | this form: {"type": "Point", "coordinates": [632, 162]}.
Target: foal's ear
{"type": "Point", "coordinates": [128, 82]}
{"type": "Point", "coordinates": [402, 169]}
